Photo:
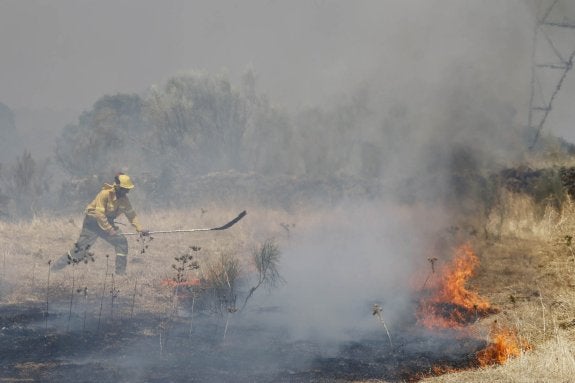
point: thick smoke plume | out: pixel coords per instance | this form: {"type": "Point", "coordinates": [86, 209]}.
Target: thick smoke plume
{"type": "Point", "coordinates": [346, 260]}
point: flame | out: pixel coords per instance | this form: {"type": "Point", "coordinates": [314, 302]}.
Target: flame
{"type": "Point", "coordinates": [450, 304]}
{"type": "Point", "coordinates": [504, 344]}
{"type": "Point", "coordinates": [447, 303]}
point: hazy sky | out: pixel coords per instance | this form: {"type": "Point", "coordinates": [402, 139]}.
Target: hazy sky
{"type": "Point", "coordinates": [65, 54]}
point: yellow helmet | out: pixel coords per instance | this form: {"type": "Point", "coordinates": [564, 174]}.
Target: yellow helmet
{"type": "Point", "coordinates": [124, 181]}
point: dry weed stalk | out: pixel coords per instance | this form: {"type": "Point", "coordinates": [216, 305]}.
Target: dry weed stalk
{"type": "Point", "coordinates": [103, 290]}
{"type": "Point", "coordinates": [230, 308]}
{"type": "Point", "coordinates": [48, 294]}
{"type": "Point", "coordinates": [542, 309]}
{"type": "Point", "coordinates": [114, 292]}
{"type": "Point", "coordinates": [134, 298]}
{"type": "Point", "coordinates": [71, 296]}
{"type": "Point", "coordinates": [3, 265]}
{"type": "Point", "coordinates": [196, 292]}
{"type": "Point", "coordinates": [377, 310]}
{"type": "Point", "coordinates": [33, 284]}
{"type": "Point", "coordinates": [84, 291]}
{"type": "Point", "coordinates": [163, 329]}
{"type": "Point", "coordinates": [431, 261]}
{"type": "Point", "coordinates": [569, 244]}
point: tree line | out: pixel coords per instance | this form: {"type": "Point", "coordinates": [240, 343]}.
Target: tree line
{"type": "Point", "coordinates": [200, 124]}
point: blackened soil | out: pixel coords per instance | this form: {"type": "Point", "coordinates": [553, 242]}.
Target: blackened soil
{"type": "Point", "coordinates": [462, 315]}
{"type": "Point", "coordinates": [149, 349]}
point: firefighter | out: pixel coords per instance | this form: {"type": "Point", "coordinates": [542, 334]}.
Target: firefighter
{"type": "Point", "coordinates": [111, 202]}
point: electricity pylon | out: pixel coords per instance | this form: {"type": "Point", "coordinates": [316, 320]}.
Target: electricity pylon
{"type": "Point", "coordinates": [552, 59]}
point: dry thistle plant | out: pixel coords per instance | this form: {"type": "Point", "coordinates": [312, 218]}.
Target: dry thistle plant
{"type": "Point", "coordinates": [266, 259]}
{"type": "Point", "coordinates": [184, 263]}
{"type": "Point", "coordinates": [431, 261]}
{"type": "Point", "coordinates": [144, 241]}
{"type": "Point", "coordinates": [377, 310]}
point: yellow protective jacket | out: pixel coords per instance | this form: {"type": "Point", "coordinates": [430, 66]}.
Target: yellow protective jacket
{"type": "Point", "coordinates": [106, 207]}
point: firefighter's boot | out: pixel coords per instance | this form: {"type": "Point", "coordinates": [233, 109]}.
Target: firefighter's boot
{"type": "Point", "coordinates": [121, 261]}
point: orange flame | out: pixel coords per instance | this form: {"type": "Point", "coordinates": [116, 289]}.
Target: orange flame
{"type": "Point", "coordinates": [450, 303]}
{"type": "Point", "coordinates": [504, 344]}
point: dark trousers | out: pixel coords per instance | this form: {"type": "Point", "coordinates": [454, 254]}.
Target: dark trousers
{"type": "Point", "coordinates": [91, 231]}
{"type": "Point", "coordinates": [80, 252]}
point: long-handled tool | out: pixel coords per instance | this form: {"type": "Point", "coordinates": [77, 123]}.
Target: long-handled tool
{"type": "Point", "coordinates": [223, 227]}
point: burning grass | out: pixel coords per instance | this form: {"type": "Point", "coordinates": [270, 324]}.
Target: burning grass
{"type": "Point", "coordinates": [447, 302]}
{"type": "Point", "coordinates": [504, 344]}
{"type": "Point", "coordinates": [524, 290]}
{"type": "Point", "coordinates": [528, 274]}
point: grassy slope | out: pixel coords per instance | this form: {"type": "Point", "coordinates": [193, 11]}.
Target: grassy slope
{"type": "Point", "coordinates": [528, 272]}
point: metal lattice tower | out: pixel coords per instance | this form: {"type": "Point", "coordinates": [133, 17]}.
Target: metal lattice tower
{"type": "Point", "coordinates": [552, 59]}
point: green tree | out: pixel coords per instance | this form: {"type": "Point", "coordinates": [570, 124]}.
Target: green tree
{"type": "Point", "coordinates": [26, 183]}
{"type": "Point", "coordinates": [10, 142]}
{"type": "Point", "coordinates": [101, 139]}
{"type": "Point", "coordinates": [198, 120]}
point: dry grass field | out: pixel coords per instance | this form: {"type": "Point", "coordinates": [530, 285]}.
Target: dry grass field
{"type": "Point", "coordinates": [526, 272]}
{"type": "Point", "coordinates": [28, 247]}
{"type": "Point", "coordinates": [529, 273]}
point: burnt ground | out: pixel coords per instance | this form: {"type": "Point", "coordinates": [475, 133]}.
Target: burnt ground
{"type": "Point", "coordinates": [146, 348]}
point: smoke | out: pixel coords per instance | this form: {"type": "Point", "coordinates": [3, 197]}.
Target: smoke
{"type": "Point", "coordinates": [342, 262]}
{"type": "Point", "coordinates": [448, 95]}
{"type": "Point", "coordinates": [11, 141]}
{"type": "Point", "coordinates": [404, 94]}
{"type": "Point", "coordinates": [424, 77]}
{"type": "Point", "coordinates": [304, 52]}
